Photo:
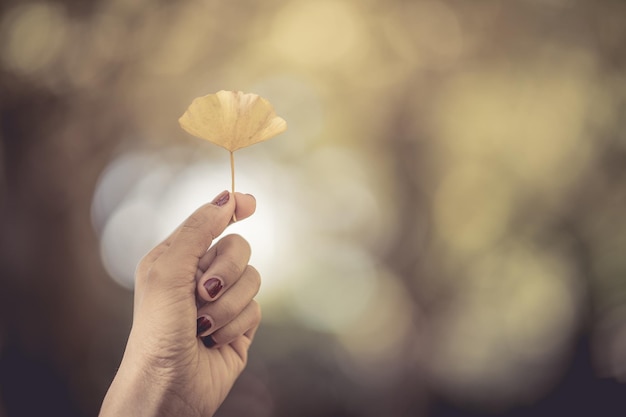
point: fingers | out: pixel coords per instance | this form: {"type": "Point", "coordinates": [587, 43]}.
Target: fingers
{"type": "Point", "coordinates": [245, 205]}
{"type": "Point", "coordinates": [231, 308]}
{"type": "Point", "coordinates": [222, 266]}
{"type": "Point", "coordinates": [244, 324]}
{"type": "Point", "coordinates": [234, 317]}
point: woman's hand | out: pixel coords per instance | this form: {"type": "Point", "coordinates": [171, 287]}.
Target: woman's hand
{"type": "Point", "coordinates": [194, 319]}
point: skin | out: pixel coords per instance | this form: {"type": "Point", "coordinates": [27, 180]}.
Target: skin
{"type": "Point", "coordinates": [166, 369]}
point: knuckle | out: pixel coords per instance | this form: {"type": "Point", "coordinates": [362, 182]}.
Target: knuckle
{"type": "Point", "coordinates": [156, 273]}
{"type": "Point", "coordinates": [200, 217]}
{"type": "Point", "coordinates": [254, 276]}
{"type": "Point", "coordinates": [234, 242]}
{"type": "Point", "coordinates": [232, 268]}
{"type": "Point", "coordinates": [229, 310]}
{"type": "Point", "coordinates": [195, 221]}
{"type": "Point", "coordinates": [152, 256]}
{"type": "Point", "coordinates": [163, 275]}
{"type": "Point", "coordinates": [257, 314]}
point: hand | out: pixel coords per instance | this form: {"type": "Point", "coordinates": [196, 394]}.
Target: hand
{"type": "Point", "coordinates": [184, 291]}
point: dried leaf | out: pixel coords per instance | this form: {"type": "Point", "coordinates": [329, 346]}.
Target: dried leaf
{"type": "Point", "coordinates": [232, 119]}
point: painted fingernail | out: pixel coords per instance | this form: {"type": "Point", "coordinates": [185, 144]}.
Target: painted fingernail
{"type": "Point", "coordinates": [213, 287]}
{"type": "Point", "coordinates": [208, 341]}
{"type": "Point", "coordinates": [203, 324]}
{"type": "Point", "coordinates": [221, 199]}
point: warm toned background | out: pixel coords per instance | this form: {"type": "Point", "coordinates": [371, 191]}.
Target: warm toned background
{"type": "Point", "coordinates": [441, 231]}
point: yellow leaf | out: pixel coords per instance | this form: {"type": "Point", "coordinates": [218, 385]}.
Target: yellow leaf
{"type": "Point", "coordinates": [232, 119]}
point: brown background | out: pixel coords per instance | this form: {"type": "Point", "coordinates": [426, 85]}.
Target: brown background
{"type": "Point", "coordinates": [455, 174]}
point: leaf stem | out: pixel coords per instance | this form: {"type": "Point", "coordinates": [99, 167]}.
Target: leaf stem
{"type": "Point", "coordinates": [232, 171]}
{"type": "Point", "coordinates": [232, 178]}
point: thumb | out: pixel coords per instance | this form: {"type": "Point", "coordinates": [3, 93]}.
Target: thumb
{"type": "Point", "coordinates": [177, 263]}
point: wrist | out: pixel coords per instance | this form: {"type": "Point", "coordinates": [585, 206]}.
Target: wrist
{"type": "Point", "coordinates": [140, 389]}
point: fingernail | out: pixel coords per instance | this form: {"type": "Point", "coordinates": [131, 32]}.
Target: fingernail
{"type": "Point", "coordinates": [213, 287]}
{"type": "Point", "coordinates": [221, 199]}
{"type": "Point", "coordinates": [208, 341]}
{"type": "Point", "coordinates": [203, 324]}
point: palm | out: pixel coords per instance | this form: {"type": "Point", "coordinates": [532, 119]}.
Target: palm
{"type": "Point", "coordinates": [216, 373]}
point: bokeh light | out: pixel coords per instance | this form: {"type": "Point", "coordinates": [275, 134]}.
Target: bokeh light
{"type": "Point", "coordinates": [318, 34]}
{"type": "Point", "coordinates": [32, 36]}
{"type": "Point", "coordinates": [516, 313]}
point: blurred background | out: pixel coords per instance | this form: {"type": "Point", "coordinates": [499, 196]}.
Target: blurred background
{"type": "Point", "coordinates": [440, 231]}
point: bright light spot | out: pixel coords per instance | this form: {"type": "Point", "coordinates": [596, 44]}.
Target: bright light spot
{"type": "Point", "coordinates": [334, 287]}
{"type": "Point", "coordinates": [32, 35]}
{"type": "Point", "coordinates": [376, 342]}
{"type": "Point", "coordinates": [472, 207]}
{"type": "Point", "coordinates": [514, 313]}
{"type": "Point", "coordinates": [426, 32]}
{"type": "Point", "coordinates": [267, 230]}
{"type": "Point", "coordinates": [187, 38]}
{"type": "Point", "coordinates": [296, 100]}
{"type": "Point", "coordinates": [115, 184]}
{"type": "Point", "coordinates": [342, 195]}
{"type": "Point", "coordinates": [435, 27]}
{"type": "Point", "coordinates": [529, 123]}
{"type": "Point", "coordinates": [142, 198]}
{"type": "Point", "coordinates": [542, 309]}
{"type": "Point", "coordinates": [191, 187]}
{"type": "Point", "coordinates": [127, 236]}
{"type": "Point", "coordinates": [318, 33]}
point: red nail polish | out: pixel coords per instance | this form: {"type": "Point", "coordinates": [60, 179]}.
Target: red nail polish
{"type": "Point", "coordinates": [208, 341]}
{"type": "Point", "coordinates": [203, 324]}
{"type": "Point", "coordinates": [213, 287]}
{"type": "Point", "coordinates": [222, 198]}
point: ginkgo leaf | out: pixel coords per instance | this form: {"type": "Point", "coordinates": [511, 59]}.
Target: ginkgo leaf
{"type": "Point", "coordinates": [232, 119]}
